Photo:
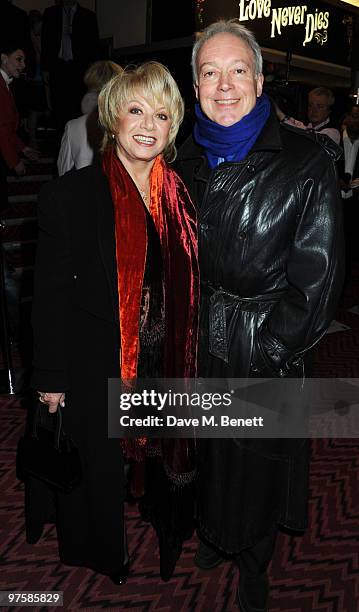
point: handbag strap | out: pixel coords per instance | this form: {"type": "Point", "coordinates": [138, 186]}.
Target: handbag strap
{"type": "Point", "coordinates": [37, 422]}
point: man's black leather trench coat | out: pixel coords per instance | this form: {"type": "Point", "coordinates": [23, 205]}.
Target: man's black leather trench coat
{"type": "Point", "coordinates": [271, 264]}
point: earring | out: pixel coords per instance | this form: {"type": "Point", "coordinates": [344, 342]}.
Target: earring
{"type": "Point", "coordinates": [113, 136]}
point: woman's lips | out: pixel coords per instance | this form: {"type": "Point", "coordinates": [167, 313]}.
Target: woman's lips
{"type": "Point", "coordinates": [144, 140]}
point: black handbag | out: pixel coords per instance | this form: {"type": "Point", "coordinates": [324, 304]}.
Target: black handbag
{"type": "Point", "coordinates": [47, 453]}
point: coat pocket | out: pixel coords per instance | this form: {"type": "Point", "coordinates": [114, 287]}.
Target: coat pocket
{"type": "Point", "coordinates": [260, 366]}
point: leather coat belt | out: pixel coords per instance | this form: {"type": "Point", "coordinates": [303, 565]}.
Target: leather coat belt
{"type": "Point", "coordinates": [218, 341]}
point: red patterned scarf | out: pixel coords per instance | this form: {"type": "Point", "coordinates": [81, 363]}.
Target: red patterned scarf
{"type": "Point", "coordinates": [174, 217]}
{"type": "Point", "coordinates": [175, 220]}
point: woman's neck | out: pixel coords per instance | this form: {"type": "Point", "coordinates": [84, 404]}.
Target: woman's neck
{"type": "Point", "coordinates": [140, 172]}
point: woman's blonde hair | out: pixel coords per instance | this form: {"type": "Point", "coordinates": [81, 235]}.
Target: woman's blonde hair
{"type": "Point", "coordinates": [155, 83]}
{"type": "Point", "coordinates": [99, 73]}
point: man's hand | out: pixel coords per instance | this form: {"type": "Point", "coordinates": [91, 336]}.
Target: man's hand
{"type": "Point", "coordinates": [344, 186]}
{"type": "Point", "coordinates": [31, 153]}
{"type": "Point", "coordinates": [52, 400]}
{"type": "Point", "coordinates": [20, 169]}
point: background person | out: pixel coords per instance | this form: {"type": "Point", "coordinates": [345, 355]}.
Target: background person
{"type": "Point", "coordinates": [116, 294]}
{"type": "Point", "coordinates": [349, 183]}
{"type": "Point", "coordinates": [15, 25]}
{"type": "Point", "coordinates": [320, 102]}
{"type": "Point", "coordinates": [12, 64]}
{"type": "Point", "coordinates": [12, 148]}
{"type": "Point", "coordinates": [270, 282]}
{"type": "Point", "coordinates": [36, 93]}
{"type": "Point", "coordinates": [70, 43]}
{"type": "Point", "coordinates": [82, 136]}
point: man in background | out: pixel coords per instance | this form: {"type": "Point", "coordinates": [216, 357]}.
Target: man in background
{"type": "Point", "coordinates": [320, 102]}
{"type": "Point", "coordinates": [70, 43]}
{"type": "Point", "coordinates": [349, 182]}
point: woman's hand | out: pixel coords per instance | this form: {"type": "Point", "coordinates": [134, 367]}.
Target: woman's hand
{"type": "Point", "coordinates": [52, 400]}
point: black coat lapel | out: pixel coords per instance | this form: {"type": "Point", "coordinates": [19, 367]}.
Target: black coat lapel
{"type": "Point", "coordinates": [191, 164]}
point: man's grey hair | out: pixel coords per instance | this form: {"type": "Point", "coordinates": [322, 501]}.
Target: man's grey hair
{"type": "Point", "coordinates": [324, 91]}
{"type": "Point", "coordinates": [230, 26]}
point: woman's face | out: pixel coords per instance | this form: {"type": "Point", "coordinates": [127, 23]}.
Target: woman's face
{"type": "Point", "coordinates": [13, 63]}
{"type": "Point", "coordinates": [142, 131]}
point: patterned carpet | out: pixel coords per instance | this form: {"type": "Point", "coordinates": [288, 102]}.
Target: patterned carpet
{"type": "Point", "coordinates": [317, 572]}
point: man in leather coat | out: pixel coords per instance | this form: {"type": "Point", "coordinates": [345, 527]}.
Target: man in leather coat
{"type": "Point", "coordinates": [270, 242]}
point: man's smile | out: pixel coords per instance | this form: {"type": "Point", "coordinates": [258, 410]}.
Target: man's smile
{"type": "Point", "coordinates": [227, 102]}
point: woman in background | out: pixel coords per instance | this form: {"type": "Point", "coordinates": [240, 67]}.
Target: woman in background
{"type": "Point", "coordinates": [82, 136]}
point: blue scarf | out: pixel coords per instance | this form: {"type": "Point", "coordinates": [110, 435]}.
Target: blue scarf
{"type": "Point", "coordinates": [230, 143]}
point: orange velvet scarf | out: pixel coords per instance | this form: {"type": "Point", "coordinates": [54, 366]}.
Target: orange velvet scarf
{"type": "Point", "coordinates": [175, 220]}
{"type": "Point", "coordinates": [174, 217]}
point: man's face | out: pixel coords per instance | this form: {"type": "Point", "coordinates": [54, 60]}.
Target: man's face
{"type": "Point", "coordinates": [318, 109]}
{"type": "Point", "coordinates": [227, 88]}
{"type": "Point", "coordinates": [13, 63]}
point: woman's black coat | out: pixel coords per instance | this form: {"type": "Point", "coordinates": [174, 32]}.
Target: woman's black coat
{"type": "Point", "coordinates": [76, 334]}
{"type": "Point", "coordinates": [271, 265]}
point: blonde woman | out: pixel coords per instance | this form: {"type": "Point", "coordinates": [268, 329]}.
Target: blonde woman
{"type": "Point", "coordinates": [116, 294]}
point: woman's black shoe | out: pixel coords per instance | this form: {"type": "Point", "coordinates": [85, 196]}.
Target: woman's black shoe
{"type": "Point", "coordinates": [121, 577]}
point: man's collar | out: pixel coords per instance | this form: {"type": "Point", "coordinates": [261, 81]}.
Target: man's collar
{"type": "Point", "coordinates": [6, 77]}
{"type": "Point", "coordinates": [71, 9]}
{"type": "Point", "coordinates": [269, 139]}
{"type": "Point", "coordinates": [320, 125]}
{"type": "Point", "coordinates": [189, 150]}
